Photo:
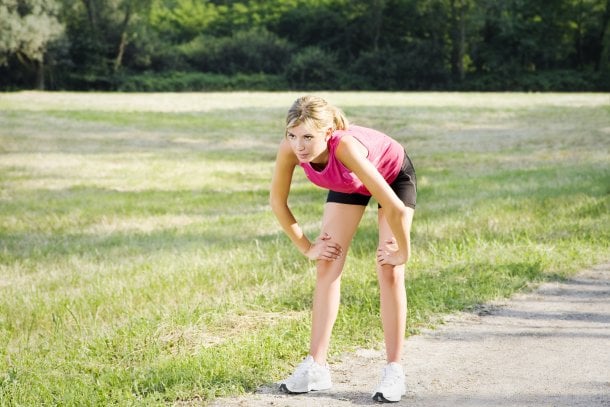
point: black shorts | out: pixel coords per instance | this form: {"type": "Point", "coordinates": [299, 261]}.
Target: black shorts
{"type": "Point", "coordinates": [405, 187]}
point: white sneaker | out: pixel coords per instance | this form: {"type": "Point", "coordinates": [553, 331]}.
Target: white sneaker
{"type": "Point", "coordinates": [392, 386]}
{"type": "Point", "coordinates": [308, 376]}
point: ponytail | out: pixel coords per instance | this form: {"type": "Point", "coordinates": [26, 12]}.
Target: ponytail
{"type": "Point", "coordinates": [339, 120]}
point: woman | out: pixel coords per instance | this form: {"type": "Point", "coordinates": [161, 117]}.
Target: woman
{"type": "Point", "coordinates": [353, 163]}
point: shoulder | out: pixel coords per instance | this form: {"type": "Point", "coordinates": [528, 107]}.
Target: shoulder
{"type": "Point", "coordinates": [349, 148]}
{"type": "Point", "coordinates": [285, 153]}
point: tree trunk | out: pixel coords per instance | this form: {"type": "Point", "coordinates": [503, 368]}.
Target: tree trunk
{"type": "Point", "coordinates": [123, 41]}
{"type": "Point", "coordinates": [119, 58]}
{"type": "Point", "coordinates": [458, 34]}
{"type": "Point", "coordinates": [377, 20]}
{"type": "Point", "coordinates": [91, 14]}
{"type": "Point", "coordinates": [602, 62]}
{"type": "Point", "coordinates": [40, 74]}
{"type": "Point", "coordinates": [462, 46]}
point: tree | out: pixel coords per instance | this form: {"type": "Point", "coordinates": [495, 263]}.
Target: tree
{"type": "Point", "coordinates": [129, 14]}
{"type": "Point", "coordinates": [458, 13]}
{"type": "Point", "coordinates": [183, 20]}
{"type": "Point", "coordinates": [27, 27]}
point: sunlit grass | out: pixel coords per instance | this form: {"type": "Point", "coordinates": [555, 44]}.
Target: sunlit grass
{"type": "Point", "coordinates": [140, 263]}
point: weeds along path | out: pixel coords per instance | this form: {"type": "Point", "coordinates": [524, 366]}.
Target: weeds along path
{"type": "Point", "coordinates": [549, 347]}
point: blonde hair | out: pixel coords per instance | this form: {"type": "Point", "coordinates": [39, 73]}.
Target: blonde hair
{"type": "Point", "coordinates": [316, 114]}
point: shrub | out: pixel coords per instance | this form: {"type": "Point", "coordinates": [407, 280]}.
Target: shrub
{"type": "Point", "coordinates": [313, 68]}
{"type": "Point", "coordinates": [253, 51]}
{"type": "Point", "coordinates": [374, 70]}
{"type": "Point", "coordinates": [198, 81]}
{"type": "Point", "coordinates": [545, 81]}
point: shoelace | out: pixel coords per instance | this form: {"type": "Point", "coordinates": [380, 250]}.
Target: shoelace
{"type": "Point", "coordinates": [302, 368]}
{"type": "Point", "coordinates": [389, 377]}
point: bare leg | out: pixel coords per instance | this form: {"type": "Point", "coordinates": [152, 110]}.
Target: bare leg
{"type": "Point", "coordinates": [393, 296]}
{"type": "Point", "coordinates": [340, 222]}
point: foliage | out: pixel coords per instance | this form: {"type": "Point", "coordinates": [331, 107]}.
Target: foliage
{"type": "Point", "coordinates": [377, 44]}
{"type": "Point", "coordinates": [545, 81]}
{"type": "Point", "coordinates": [27, 28]}
{"type": "Point", "coordinates": [254, 51]}
{"type": "Point", "coordinates": [313, 68]}
{"type": "Point", "coordinates": [195, 81]}
{"type": "Point", "coordinates": [182, 20]}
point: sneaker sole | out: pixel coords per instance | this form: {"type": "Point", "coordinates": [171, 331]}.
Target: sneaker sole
{"type": "Point", "coordinates": [379, 398]}
{"type": "Point", "coordinates": [285, 389]}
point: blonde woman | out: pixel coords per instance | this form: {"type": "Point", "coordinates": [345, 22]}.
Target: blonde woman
{"type": "Point", "coordinates": [353, 163]}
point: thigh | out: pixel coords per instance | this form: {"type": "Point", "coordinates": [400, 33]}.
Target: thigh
{"type": "Point", "coordinates": [340, 221]}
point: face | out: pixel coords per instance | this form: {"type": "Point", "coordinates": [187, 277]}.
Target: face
{"type": "Point", "coordinates": [309, 145]}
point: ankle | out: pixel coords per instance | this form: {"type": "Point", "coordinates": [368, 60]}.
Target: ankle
{"type": "Point", "coordinates": [319, 360]}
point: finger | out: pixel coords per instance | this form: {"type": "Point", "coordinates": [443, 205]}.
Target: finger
{"type": "Point", "coordinates": [336, 247]}
{"type": "Point", "coordinates": [334, 253]}
{"type": "Point", "coordinates": [386, 261]}
{"type": "Point", "coordinates": [328, 254]}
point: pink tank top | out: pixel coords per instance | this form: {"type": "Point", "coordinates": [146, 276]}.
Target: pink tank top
{"type": "Point", "coordinates": [385, 153]}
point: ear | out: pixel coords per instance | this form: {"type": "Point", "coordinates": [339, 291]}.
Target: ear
{"type": "Point", "coordinates": [329, 132]}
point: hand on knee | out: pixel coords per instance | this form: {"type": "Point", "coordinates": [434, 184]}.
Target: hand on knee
{"type": "Point", "coordinates": [388, 253]}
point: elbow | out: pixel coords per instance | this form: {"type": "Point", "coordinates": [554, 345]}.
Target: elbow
{"type": "Point", "coordinates": [276, 203]}
{"type": "Point", "coordinates": [273, 203]}
{"type": "Point", "coordinates": [396, 213]}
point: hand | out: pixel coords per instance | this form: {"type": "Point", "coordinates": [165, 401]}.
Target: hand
{"type": "Point", "coordinates": [389, 255]}
{"type": "Point", "coordinates": [324, 249]}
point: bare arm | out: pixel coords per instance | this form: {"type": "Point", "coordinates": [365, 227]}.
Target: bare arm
{"type": "Point", "coordinates": [323, 248]}
{"type": "Point", "coordinates": [353, 155]}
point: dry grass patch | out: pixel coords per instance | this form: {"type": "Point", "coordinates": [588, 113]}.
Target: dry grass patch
{"type": "Point", "coordinates": [192, 338]}
{"type": "Point", "coordinates": [142, 224]}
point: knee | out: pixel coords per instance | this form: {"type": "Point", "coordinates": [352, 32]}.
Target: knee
{"type": "Point", "coordinates": [391, 275]}
{"type": "Point", "coordinates": [329, 269]}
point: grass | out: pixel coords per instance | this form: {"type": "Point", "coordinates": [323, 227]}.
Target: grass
{"type": "Point", "coordinates": [140, 263]}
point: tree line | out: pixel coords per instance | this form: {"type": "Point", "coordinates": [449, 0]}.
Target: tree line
{"type": "Point", "coordinates": [173, 45]}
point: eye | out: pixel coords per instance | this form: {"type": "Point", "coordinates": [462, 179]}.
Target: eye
{"type": "Point", "coordinates": [290, 136]}
{"type": "Point", "coordinates": [308, 138]}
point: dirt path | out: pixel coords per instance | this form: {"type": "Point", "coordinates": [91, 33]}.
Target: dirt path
{"type": "Point", "coordinates": [550, 347]}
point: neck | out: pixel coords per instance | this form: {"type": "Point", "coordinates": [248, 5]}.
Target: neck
{"type": "Point", "coordinates": [319, 163]}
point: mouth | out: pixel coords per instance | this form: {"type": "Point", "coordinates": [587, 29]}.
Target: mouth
{"type": "Point", "coordinates": [302, 157]}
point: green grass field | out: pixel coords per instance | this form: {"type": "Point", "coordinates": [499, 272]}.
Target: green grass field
{"type": "Point", "coordinates": [140, 263]}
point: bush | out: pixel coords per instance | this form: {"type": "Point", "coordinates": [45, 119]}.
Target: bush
{"type": "Point", "coordinates": [421, 66]}
{"type": "Point", "coordinates": [313, 69]}
{"type": "Point", "coordinates": [546, 81]}
{"type": "Point", "coordinates": [374, 70]}
{"type": "Point", "coordinates": [415, 67]}
{"type": "Point", "coordinates": [198, 81]}
{"type": "Point", "coordinates": [253, 51]}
